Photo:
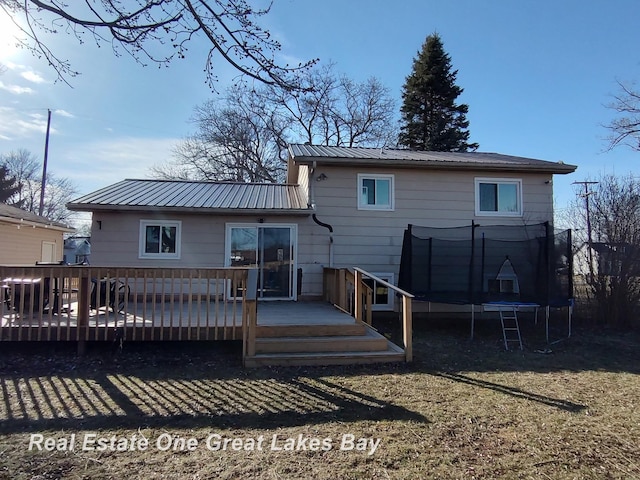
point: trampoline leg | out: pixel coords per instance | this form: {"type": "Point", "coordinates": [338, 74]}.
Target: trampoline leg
{"type": "Point", "coordinates": [546, 320]}
{"type": "Point", "coordinates": [473, 311]}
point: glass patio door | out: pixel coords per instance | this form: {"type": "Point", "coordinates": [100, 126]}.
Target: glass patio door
{"type": "Point", "coordinates": [270, 249]}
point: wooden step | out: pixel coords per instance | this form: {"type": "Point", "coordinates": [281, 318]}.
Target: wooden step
{"type": "Point", "coordinates": [266, 331]}
{"type": "Point", "coordinates": [391, 354]}
{"type": "Point", "coordinates": [370, 341]}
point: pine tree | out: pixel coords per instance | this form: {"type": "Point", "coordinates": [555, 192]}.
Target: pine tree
{"type": "Point", "coordinates": [8, 187]}
{"type": "Point", "coordinates": [431, 119]}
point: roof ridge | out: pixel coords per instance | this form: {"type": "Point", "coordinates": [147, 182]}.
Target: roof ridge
{"type": "Point", "coordinates": [216, 182]}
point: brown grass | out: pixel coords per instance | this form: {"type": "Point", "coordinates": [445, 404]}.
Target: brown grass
{"type": "Point", "coordinates": [462, 410]}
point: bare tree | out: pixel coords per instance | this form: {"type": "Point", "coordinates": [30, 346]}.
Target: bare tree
{"type": "Point", "coordinates": [243, 136]}
{"type": "Point", "coordinates": [610, 263]}
{"type": "Point", "coordinates": [159, 31]}
{"type": "Point", "coordinates": [335, 110]}
{"type": "Point", "coordinates": [26, 169]}
{"type": "Point", "coordinates": [238, 139]}
{"type": "Point", "coordinates": [625, 129]}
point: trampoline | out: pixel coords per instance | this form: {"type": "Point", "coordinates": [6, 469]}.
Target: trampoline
{"type": "Point", "coordinates": [505, 266]}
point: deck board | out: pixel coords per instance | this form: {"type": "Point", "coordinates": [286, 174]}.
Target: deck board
{"type": "Point", "coordinates": [301, 313]}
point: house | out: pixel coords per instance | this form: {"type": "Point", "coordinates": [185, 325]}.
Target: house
{"type": "Point", "coordinates": [608, 259]}
{"type": "Point", "coordinates": [339, 207]}
{"type": "Point", "coordinates": [28, 238]}
{"type": "Point", "coordinates": [77, 250]}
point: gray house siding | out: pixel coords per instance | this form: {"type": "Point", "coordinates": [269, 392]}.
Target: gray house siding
{"type": "Point", "coordinates": [436, 189]}
{"type": "Point", "coordinates": [372, 239]}
{"type": "Point", "coordinates": [115, 242]}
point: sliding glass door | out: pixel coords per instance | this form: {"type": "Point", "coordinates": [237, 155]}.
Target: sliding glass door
{"type": "Point", "coordinates": [270, 249]}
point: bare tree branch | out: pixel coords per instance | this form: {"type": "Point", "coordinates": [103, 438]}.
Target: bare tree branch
{"type": "Point", "coordinates": [625, 130]}
{"type": "Point", "coordinates": [244, 135]}
{"type": "Point", "coordinates": [159, 31]}
{"type": "Point", "coordinates": [611, 262]}
{"type": "Point", "coordinates": [26, 169]}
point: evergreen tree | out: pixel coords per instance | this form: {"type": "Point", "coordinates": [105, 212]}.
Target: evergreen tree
{"type": "Point", "coordinates": [431, 119]}
{"type": "Point", "coordinates": [8, 187]}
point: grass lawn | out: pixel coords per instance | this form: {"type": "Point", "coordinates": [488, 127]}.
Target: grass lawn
{"type": "Point", "coordinates": [461, 410]}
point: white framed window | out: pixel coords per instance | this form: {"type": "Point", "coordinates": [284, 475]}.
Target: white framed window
{"type": "Point", "coordinates": [383, 297]}
{"type": "Point", "coordinates": [375, 192]}
{"type": "Point", "coordinates": [160, 239]}
{"type": "Point", "coordinates": [498, 197]}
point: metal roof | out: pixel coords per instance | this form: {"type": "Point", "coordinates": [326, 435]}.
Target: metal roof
{"type": "Point", "coordinates": [400, 158]}
{"type": "Point", "coordinates": [192, 196]}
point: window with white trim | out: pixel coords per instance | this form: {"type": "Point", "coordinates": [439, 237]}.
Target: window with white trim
{"type": "Point", "coordinates": [499, 197]}
{"type": "Point", "coordinates": [160, 239]}
{"type": "Point", "coordinates": [383, 298]}
{"type": "Point", "coordinates": [375, 192]}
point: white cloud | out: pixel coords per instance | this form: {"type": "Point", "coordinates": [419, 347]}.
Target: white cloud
{"type": "Point", "coordinates": [32, 76]}
{"type": "Point", "coordinates": [15, 89]}
{"type": "Point", "coordinates": [12, 66]}
{"type": "Point", "coordinates": [64, 113]}
{"type": "Point", "coordinates": [96, 164]}
{"type": "Point", "coordinates": [16, 125]}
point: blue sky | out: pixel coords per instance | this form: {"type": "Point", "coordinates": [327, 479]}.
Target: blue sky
{"type": "Point", "coordinates": [536, 76]}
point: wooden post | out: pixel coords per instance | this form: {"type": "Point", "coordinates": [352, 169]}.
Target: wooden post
{"type": "Point", "coordinates": [368, 304]}
{"type": "Point", "coordinates": [407, 328]}
{"type": "Point", "coordinates": [341, 292]}
{"type": "Point", "coordinates": [325, 285]}
{"type": "Point", "coordinates": [250, 314]}
{"type": "Point", "coordinates": [84, 292]}
{"type": "Point", "coordinates": [357, 302]}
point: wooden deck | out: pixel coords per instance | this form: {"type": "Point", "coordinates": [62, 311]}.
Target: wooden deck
{"type": "Point", "coordinates": [42, 304]}
{"type": "Point", "coordinates": [222, 314]}
{"type": "Point", "coordinates": [288, 333]}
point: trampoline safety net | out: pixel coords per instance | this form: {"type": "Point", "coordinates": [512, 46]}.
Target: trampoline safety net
{"type": "Point", "coordinates": [478, 264]}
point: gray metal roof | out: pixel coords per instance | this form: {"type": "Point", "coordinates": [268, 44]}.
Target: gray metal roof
{"type": "Point", "coordinates": [201, 197]}
{"type": "Point", "coordinates": [414, 159]}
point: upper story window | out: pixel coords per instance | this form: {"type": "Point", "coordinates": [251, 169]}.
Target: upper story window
{"type": "Point", "coordinates": [375, 192]}
{"type": "Point", "coordinates": [499, 196]}
{"type": "Point", "coordinates": [160, 239]}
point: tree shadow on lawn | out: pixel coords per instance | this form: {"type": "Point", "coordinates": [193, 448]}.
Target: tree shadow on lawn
{"type": "Point", "coordinates": [191, 385]}
{"type": "Point", "coordinates": [514, 392]}
{"type": "Point", "coordinates": [171, 387]}
{"type": "Point", "coordinates": [444, 344]}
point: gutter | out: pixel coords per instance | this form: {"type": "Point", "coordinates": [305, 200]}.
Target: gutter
{"type": "Point", "coordinates": [27, 223]}
{"type": "Point", "coordinates": [95, 207]}
{"type": "Point", "coordinates": [554, 168]}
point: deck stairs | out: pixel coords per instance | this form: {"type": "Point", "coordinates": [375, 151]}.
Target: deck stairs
{"type": "Point", "coordinates": [308, 340]}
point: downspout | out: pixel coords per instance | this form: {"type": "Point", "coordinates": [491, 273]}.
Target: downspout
{"type": "Point", "coordinates": [312, 204]}
{"type": "Point", "coordinates": [330, 228]}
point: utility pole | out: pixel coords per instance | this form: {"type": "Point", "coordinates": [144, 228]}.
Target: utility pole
{"type": "Point", "coordinates": [586, 196]}
{"type": "Point", "coordinates": [44, 164]}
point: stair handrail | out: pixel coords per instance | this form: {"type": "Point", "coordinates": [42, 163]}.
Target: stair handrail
{"type": "Point", "coordinates": [407, 314]}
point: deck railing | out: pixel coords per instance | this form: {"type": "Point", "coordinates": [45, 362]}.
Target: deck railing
{"type": "Point", "coordinates": [250, 315]}
{"type": "Point", "coordinates": [349, 291]}
{"type": "Point", "coordinates": [339, 288]}
{"type": "Point", "coordinates": [85, 303]}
